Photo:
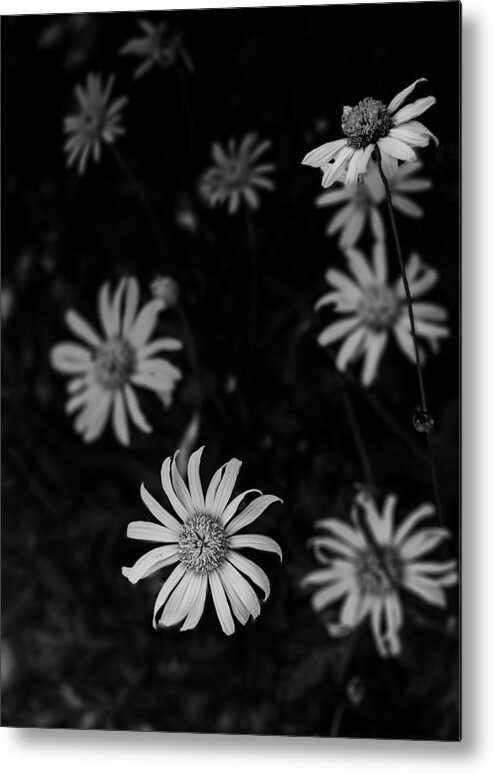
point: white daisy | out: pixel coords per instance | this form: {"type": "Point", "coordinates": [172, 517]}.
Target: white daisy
{"type": "Point", "coordinates": [106, 368]}
{"type": "Point", "coordinates": [371, 123]}
{"type": "Point", "coordinates": [368, 574]}
{"type": "Point", "coordinates": [202, 540]}
{"type": "Point", "coordinates": [97, 121]}
{"type": "Point", "coordinates": [362, 200]}
{"type": "Point", "coordinates": [236, 176]}
{"type": "Point", "coordinates": [158, 46]}
{"type": "Point", "coordinates": [373, 307]}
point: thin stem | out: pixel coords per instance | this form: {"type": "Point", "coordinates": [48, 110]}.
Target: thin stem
{"type": "Point", "coordinates": [407, 290]}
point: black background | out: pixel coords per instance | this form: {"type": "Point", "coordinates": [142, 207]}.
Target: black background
{"type": "Point", "coordinates": [79, 649]}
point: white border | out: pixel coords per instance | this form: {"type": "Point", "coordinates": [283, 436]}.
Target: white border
{"type": "Point", "coordinates": [76, 751]}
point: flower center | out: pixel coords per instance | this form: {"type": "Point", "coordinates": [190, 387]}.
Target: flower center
{"type": "Point", "coordinates": [203, 543]}
{"type": "Point", "coordinates": [366, 122]}
{"type": "Point", "coordinates": [377, 575]}
{"type": "Point", "coordinates": [379, 307]}
{"type": "Point", "coordinates": [114, 363]}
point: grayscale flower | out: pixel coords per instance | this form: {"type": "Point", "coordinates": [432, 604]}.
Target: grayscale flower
{"type": "Point", "coordinates": [361, 202]}
{"type": "Point", "coordinates": [236, 175]}
{"type": "Point", "coordinates": [369, 574]}
{"type": "Point", "coordinates": [202, 539]}
{"type": "Point", "coordinates": [373, 308]}
{"type": "Point", "coordinates": [96, 122]}
{"type": "Point", "coordinates": [368, 124]}
{"type": "Point", "coordinates": [158, 46]}
{"type": "Point", "coordinates": [105, 369]}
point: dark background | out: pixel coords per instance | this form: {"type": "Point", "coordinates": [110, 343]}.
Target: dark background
{"type": "Point", "coordinates": [78, 647]}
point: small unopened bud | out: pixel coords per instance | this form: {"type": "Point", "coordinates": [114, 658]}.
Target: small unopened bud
{"type": "Point", "coordinates": [355, 691]}
{"type": "Point", "coordinates": [423, 421]}
{"type": "Point", "coordinates": [166, 289]}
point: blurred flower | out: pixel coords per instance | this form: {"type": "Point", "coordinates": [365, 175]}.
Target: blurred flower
{"type": "Point", "coordinates": [203, 541]}
{"type": "Point", "coordinates": [372, 123]}
{"type": "Point", "coordinates": [106, 369]}
{"type": "Point", "coordinates": [166, 289]}
{"type": "Point", "coordinates": [236, 175]}
{"type": "Point", "coordinates": [97, 121]}
{"type": "Point", "coordinates": [369, 574]}
{"type": "Point", "coordinates": [355, 691]}
{"type": "Point", "coordinates": [362, 200]}
{"type": "Point", "coordinates": [373, 307]}
{"type": "Point", "coordinates": [159, 46]}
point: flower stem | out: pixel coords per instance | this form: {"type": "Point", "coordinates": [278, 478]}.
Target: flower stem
{"type": "Point", "coordinates": [335, 727]}
{"type": "Point", "coordinates": [407, 290]}
{"type": "Point", "coordinates": [427, 419]}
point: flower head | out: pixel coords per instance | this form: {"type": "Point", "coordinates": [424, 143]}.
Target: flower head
{"type": "Point", "coordinates": [368, 124]}
{"type": "Point", "coordinates": [236, 175]}
{"type": "Point", "coordinates": [105, 369]}
{"type": "Point", "coordinates": [166, 289]}
{"type": "Point", "coordinates": [158, 46]}
{"type": "Point", "coordinates": [97, 121]}
{"type": "Point", "coordinates": [202, 539]}
{"type": "Point", "coordinates": [368, 574]}
{"type": "Point", "coordinates": [373, 308]}
{"type": "Point", "coordinates": [361, 202]}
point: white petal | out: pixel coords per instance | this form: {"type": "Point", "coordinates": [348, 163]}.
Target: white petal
{"type": "Point", "coordinates": [251, 513]}
{"type": "Point", "coordinates": [397, 149]}
{"type": "Point", "coordinates": [351, 348]}
{"type": "Point", "coordinates": [180, 487]}
{"type": "Point", "coordinates": [194, 482]}
{"type": "Point", "coordinates": [150, 532]}
{"type": "Point", "coordinates": [168, 489]}
{"type": "Point", "coordinates": [158, 511]}
{"type": "Point", "coordinates": [226, 486]}
{"type": "Point", "coordinates": [131, 302]}
{"type": "Point", "coordinates": [104, 307]}
{"type": "Point", "coordinates": [375, 345]}
{"type": "Point", "coordinates": [425, 511]}
{"type": "Point", "coordinates": [159, 345]}
{"type": "Point", "coordinates": [256, 542]}
{"type": "Point", "coordinates": [360, 267]}
{"type": "Point", "coordinates": [231, 509]}
{"type": "Point", "coordinates": [337, 330]}
{"type": "Point", "coordinates": [325, 153]}
{"type": "Point", "coordinates": [322, 598]}
{"type": "Point", "coordinates": [174, 578]}
{"type": "Point", "coordinates": [82, 328]}
{"type": "Point", "coordinates": [150, 562]}
{"type": "Point", "coordinates": [380, 262]}
{"type": "Point", "coordinates": [120, 423]}
{"type": "Point", "coordinates": [411, 111]}
{"type": "Point", "coordinates": [240, 593]}
{"type": "Point", "coordinates": [198, 604]}
{"type": "Point", "coordinates": [221, 604]}
{"type": "Point", "coordinates": [397, 101]}
{"type": "Point", "coordinates": [251, 570]}
{"type": "Point", "coordinates": [70, 358]}
{"type": "Point", "coordinates": [429, 590]}
{"type": "Point", "coordinates": [145, 323]}
{"type": "Point", "coordinates": [136, 414]}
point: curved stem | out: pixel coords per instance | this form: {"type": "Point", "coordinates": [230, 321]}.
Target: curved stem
{"type": "Point", "coordinates": [407, 290]}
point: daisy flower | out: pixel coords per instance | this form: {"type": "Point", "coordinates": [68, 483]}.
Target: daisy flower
{"type": "Point", "coordinates": [106, 368]}
{"type": "Point", "coordinates": [236, 174]}
{"type": "Point", "coordinates": [97, 121]}
{"type": "Point", "coordinates": [158, 46]}
{"type": "Point", "coordinates": [368, 574]}
{"type": "Point", "coordinates": [361, 202]}
{"type": "Point", "coordinates": [373, 307]}
{"type": "Point", "coordinates": [368, 124]}
{"type": "Point", "coordinates": [202, 539]}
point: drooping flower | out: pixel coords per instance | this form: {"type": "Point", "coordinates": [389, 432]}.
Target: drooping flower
{"type": "Point", "coordinates": [202, 539]}
{"type": "Point", "coordinates": [97, 121]}
{"type": "Point", "coordinates": [158, 46]}
{"type": "Point", "coordinates": [368, 124]}
{"type": "Point", "coordinates": [361, 202]}
{"type": "Point", "coordinates": [105, 369]}
{"type": "Point", "coordinates": [369, 574]}
{"type": "Point", "coordinates": [236, 176]}
{"type": "Point", "coordinates": [373, 308]}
